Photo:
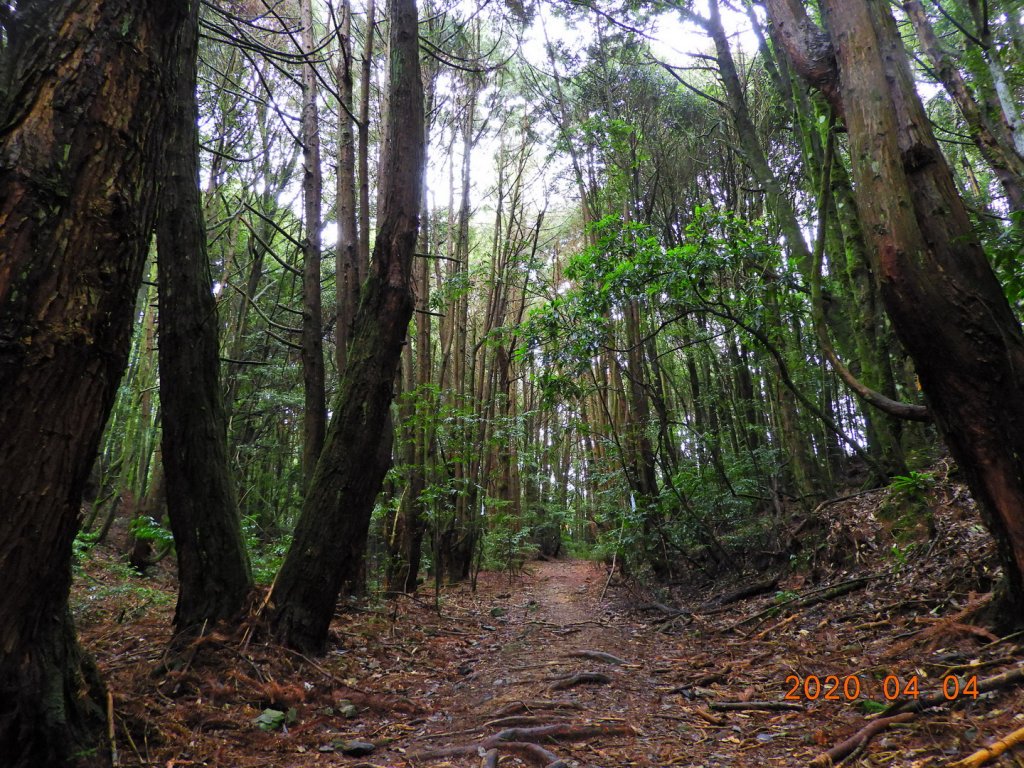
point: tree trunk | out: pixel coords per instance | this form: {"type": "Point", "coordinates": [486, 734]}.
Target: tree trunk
{"type": "Point", "coordinates": [945, 303]}
{"type": "Point", "coordinates": [332, 529]}
{"type": "Point", "coordinates": [993, 139]}
{"type": "Point", "coordinates": [314, 422]}
{"type": "Point", "coordinates": [80, 150]}
{"type": "Point", "coordinates": [347, 258]}
{"type": "Point", "coordinates": [213, 569]}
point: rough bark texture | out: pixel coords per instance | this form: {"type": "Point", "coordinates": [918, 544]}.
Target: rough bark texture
{"type": "Point", "coordinates": [347, 258]}
{"type": "Point", "coordinates": [335, 518]}
{"type": "Point", "coordinates": [81, 134]}
{"type": "Point", "coordinates": [808, 48]}
{"type": "Point", "coordinates": [213, 569]}
{"type": "Point", "coordinates": [945, 303]}
{"type": "Point", "coordinates": [314, 421]}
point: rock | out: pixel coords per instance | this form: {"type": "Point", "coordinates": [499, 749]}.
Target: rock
{"type": "Point", "coordinates": [355, 748]}
{"type": "Point", "coordinates": [346, 708]}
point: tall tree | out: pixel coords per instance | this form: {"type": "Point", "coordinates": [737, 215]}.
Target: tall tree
{"type": "Point", "coordinates": [938, 287]}
{"type": "Point", "coordinates": [315, 413]}
{"type": "Point", "coordinates": [213, 568]}
{"type": "Point", "coordinates": [331, 532]}
{"type": "Point", "coordinates": [83, 119]}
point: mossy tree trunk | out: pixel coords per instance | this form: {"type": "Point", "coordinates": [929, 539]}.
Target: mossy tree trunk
{"type": "Point", "coordinates": [83, 130]}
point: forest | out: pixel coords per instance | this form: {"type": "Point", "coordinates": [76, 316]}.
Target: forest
{"type": "Point", "coordinates": [554, 383]}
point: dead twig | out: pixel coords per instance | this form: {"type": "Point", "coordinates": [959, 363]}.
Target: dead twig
{"type": "Point", "coordinates": [765, 706]}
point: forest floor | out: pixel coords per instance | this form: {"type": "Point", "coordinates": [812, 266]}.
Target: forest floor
{"type": "Point", "coordinates": [593, 674]}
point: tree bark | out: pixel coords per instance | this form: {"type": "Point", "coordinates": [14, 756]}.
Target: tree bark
{"type": "Point", "coordinates": [945, 303]}
{"type": "Point", "coordinates": [992, 139]}
{"type": "Point", "coordinates": [332, 529]}
{"type": "Point", "coordinates": [314, 422]}
{"type": "Point", "coordinates": [213, 568]}
{"type": "Point", "coordinates": [347, 258]}
{"type": "Point", "coordinates": [82, 122]}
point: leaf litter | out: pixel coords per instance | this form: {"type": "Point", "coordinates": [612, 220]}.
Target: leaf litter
{"type": "Point", "coordinates": [560, 676]}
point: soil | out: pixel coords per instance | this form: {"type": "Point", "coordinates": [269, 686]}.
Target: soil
{"type": "Point", "coordinates": [425, 684]}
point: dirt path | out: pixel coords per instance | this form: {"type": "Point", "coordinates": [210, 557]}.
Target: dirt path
{"type": "Point", "coordinates": [410, 687]}
{"type": "Point", "coordinates": [539, 631]}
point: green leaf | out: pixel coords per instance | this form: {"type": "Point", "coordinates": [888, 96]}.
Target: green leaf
{"type": "Point", "coordinates": [270, 719]}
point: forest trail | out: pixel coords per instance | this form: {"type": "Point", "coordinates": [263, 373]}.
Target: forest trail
{"type": "Point", "coordinates": [551, 653]}
{"type": "Point", "coordinates": [405, 685]}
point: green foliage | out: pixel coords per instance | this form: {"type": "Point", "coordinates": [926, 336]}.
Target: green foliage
{"type": "Point", "coordinates": [913, 485]}
{"type": "Point", "coordinates": [275, 719]}
{"type": "Point", "coordinates": [785, 596]}
{"type": "Point", "coordinates": [147, 528]}
{"type": "Point", "coordinates": [508, 539]}
{"type": "Point", "coordinates": [872, 707]}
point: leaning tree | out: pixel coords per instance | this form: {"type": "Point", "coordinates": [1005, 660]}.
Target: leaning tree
{"type": "Point", "coordinates": [330, 537]}
{"type": "Point", "coordinates": [82, 123]}
{"type": "Point", "coordinates": [946, 305]}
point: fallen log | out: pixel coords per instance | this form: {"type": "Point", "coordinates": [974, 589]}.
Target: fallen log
{"type": "Point", "coordinates": [801, 602]}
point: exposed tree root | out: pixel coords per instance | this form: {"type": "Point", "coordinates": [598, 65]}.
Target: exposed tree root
{"type": "Point", "coordinates": [518, 721]}
{"type": "Point", "coordinates": [580, 678]}
{"type": "Point", "coordinates": [562, 732]}
{"type": "Point", "coordinates": [597, 656]}
{"type": "Point", "coordinates": [860, 739]}
{"type": "Point", "coordinates": [904, 711]}
{"type": "Point", "coordinates": [536, 705]}
{"type": "Point", "coordinates": [523, 742]}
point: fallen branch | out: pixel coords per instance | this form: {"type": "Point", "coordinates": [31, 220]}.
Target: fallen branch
{"type": "Point", "coordinates": [805, 601]}
{"type": "Point", "coordinates": [982, 756]}
{"type": "Point", "coordinates": [581, 678]}
{"type": "Point", "coordinates": [994, 683]}
{"type": "Point", "coordinates": [765, 706]}
{"type": "Point", "coordinates": [751, 590]}
{"type": "Point", "coordinates": [596, 656]}
{"type": "Point", "coordinates": [844, 749]}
